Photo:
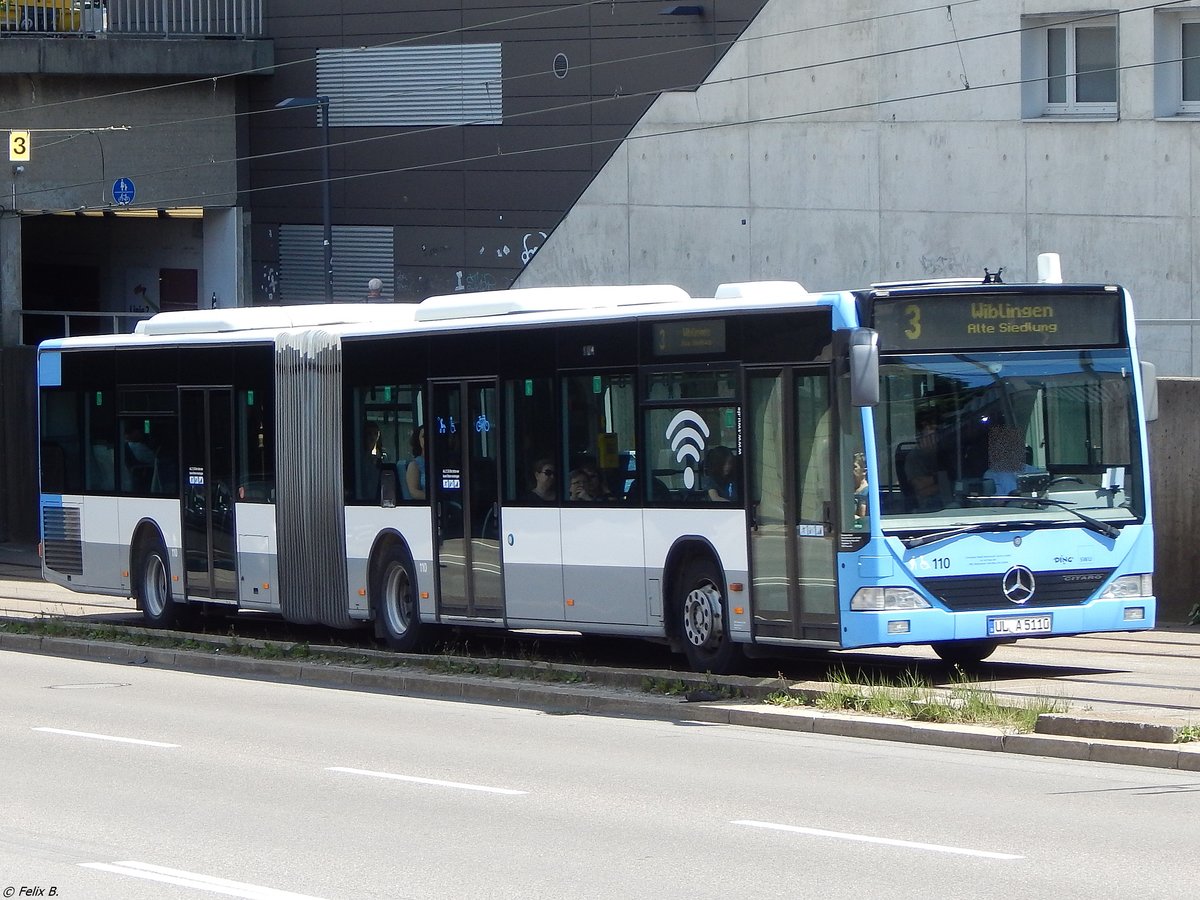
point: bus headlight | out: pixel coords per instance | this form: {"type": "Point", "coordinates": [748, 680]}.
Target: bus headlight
{"type": "Point", "coordinates": [1129, 586]}
{"type": "Point", "coordinates": [878, 599]}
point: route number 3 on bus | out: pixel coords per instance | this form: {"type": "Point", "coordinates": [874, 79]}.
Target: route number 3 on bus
{"type": "Point", "coordinates": [18, 146]}
{"type": "Point", "coordinates": [913, 331]}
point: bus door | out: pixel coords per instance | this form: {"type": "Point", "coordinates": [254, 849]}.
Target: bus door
{"type": "Point", "coordinates": [790, 462]}
{"type": "Point", "coordinates": [206, 456]}
{"type": "Point", "coordinates": [465, 492]}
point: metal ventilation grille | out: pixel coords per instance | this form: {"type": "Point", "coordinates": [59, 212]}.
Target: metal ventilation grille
{"type": "Point", "coordinates": [308, 508]}
{"type": "Point", "coordinates": [62, 539]}
{"type": "Point", "coordinates": [962, 592]}
{"type": "Point", "coordinates": [360, 253]}
{"type": "Point", "coordinates": [449, 84]}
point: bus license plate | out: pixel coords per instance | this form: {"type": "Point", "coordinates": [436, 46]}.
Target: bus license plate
{"type": "Point", "coordinates": [1008, 625]}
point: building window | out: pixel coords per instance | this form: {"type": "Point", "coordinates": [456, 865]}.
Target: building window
{"type": "Point", "coordinates": [1190, 62]}
{"type": "Point", "coordinates": [1177, 58]}
{"type": "Point", "coordinates": [1070, 67]}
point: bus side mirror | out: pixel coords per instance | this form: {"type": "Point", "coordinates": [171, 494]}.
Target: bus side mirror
{"type": "Point", "coordinates": [1149, 391]}
{"type": "Point", "coordinates": [864, 367]}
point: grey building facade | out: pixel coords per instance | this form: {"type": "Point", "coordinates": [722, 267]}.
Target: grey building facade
{"type": "Point", "coordinates": [165, 174]}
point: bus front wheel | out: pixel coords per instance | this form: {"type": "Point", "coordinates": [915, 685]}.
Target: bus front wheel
{"type": "Point", "coordinates": [703, 620]}
{"type": "Point", "coordinates": [965, 653]}
{"type": "Point", "coordinates": [398, 620]}
{"type": "Point", "coordinates": [153, 585]}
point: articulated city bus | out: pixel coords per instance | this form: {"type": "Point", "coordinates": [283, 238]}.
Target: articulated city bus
{"type": "Point", "coordinates": [958, 464]}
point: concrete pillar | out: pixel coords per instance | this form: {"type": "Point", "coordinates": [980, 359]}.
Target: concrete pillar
{"type": "Point", "coordinates": [1174, 460]}
{"type": "Point", "coordinates": [10, 280]}
{"type": "Point", "coordinates": [224, 258]}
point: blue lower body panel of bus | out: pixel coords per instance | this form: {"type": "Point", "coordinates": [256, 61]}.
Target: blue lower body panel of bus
{"type": "Point", "coordinates": [925, 626]}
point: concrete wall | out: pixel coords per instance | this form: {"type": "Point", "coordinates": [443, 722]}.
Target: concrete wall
{"type": "Point", "coordinates": [1174, 462]}
{"type": "Point", "coordinates": [178, 144]}
{"type": "Point", "coordinates": [837, 144]}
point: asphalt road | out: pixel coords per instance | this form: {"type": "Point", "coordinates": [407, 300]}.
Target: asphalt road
{"type": "Point", "coordinates": [117, 775]}
{"type": "Point", "coordinates": [1142, 677]}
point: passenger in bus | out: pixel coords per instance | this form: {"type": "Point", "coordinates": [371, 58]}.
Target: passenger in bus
{"type": "Point", "coordinates": [719, 481]}
{"type": "Point", "coordinates": [921, 465]}
{"type": "Point", "coordinates": [1006, 459]}
{"type": "Point", "coordinates": [414, 473]}
{"type": "Point", "coordinates": [545, 489]}
{"type": "Point", "coordinates": [596, 487]}
{"type": "Point", "coordinates": [859, 474]}
{"type": "Point", "coordinates": [579, 487]}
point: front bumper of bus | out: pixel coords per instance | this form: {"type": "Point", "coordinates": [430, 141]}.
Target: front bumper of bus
{"type": "Point", "coordinates": [894, 627]}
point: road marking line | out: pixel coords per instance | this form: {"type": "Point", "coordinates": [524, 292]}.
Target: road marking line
{"type": "Point", "coordinates": [432, 781]}
{"type": "Point", "coordinates": [195, 880]}
{"type": "Point", "coordinates": [105, 737]}
{"type": "Point", "coordinates": [867, 839]}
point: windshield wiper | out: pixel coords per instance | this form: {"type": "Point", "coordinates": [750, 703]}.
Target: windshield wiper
{"type": "Point", "coordinates": [924, 539]}
{"type": "Point", "coordinates": [1094, 524]}
{"type": "Point", "coordinates": [910, 543]}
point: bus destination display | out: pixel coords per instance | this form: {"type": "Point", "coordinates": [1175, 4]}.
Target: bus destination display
{"type": "Point", "coordinates": [690, 337]}
{"type": "Point", "coordinates": [998, 320]}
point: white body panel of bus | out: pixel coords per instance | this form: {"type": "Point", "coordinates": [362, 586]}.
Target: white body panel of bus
{"type": "Point", "coordinates": [593, 568]}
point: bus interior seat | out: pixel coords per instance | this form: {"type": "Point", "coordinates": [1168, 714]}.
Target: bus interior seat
{"type": "Point", "coordinates": [656, 490]}
{"type": "Point", "coordinates": [102, 471]}
{"type": "Point", "coordinates": [388, 485]}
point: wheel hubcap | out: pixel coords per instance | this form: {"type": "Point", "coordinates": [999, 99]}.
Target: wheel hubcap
{"type": "Point", "coordinates": [702, 623]}
{"type": "Point", "coordinates": [154, 586]}
{"type": "Point", "coordinates": [397, 600]}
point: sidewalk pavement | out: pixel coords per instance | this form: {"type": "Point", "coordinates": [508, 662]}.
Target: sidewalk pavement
{"type": "Point", "coordinates": [1133, 737]}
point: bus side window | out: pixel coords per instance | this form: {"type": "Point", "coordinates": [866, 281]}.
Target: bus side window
{"type": "Point", "coordinates": [600, 435]}
{"type": "Point", "coordinates": [531, 443]}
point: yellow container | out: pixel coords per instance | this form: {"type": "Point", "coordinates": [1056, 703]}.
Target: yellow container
{"type": "Point", "coordinates": [40, 15]}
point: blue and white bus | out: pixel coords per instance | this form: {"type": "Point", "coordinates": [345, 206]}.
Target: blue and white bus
{"type": "Point", "coordinates": [958, 464]}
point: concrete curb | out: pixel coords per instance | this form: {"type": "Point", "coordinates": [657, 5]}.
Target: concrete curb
{"type": "Point", "coordinates": [1094, 741]}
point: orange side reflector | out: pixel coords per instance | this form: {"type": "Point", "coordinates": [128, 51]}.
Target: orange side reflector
{"type": "Point", "coordinates": [737, 587]}
{"type": "Point", "coordinates": [124, 574]}
{"type": "Point", "coordinates": [570, 602]}
{"type": "Point", "coordinates": [739, 611]}
{"type": "Point", "coordinates": [362, 592]}
{"type": "Point", "coordinates": [424, 595]}
{"type": "Point", "coordinates": [174, 577]}
{"type": "Point", "coordinates": [266, 586]}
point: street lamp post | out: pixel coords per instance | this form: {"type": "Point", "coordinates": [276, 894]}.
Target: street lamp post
{"type": "Point", "coordinates": [322, 102]}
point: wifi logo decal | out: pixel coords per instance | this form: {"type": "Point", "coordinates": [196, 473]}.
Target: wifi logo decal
{"type": "Point", "coordinates": [688, 435]}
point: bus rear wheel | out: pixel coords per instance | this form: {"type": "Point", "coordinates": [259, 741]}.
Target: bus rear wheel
{"type": "Point", "coordinates": [965, 653]}
{"type": "Point", "coordinates": [152, 585]}
{"type": "Point", "coordinates": [397, 617]}
{"type": "Point", "coordinates": [703, 621]}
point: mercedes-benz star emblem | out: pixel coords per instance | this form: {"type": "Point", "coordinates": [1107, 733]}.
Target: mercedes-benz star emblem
{"type": "Point", "coordinates": [1018, 584]}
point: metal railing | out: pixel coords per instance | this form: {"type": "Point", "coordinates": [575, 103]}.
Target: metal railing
{"type": "Point", "coordinates": [40, 325]}
{"type": "Point", "coordinates": [165, 18]}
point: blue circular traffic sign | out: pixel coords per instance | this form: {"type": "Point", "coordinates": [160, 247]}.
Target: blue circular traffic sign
{"type": "Point", "coordinates": [123, 191]}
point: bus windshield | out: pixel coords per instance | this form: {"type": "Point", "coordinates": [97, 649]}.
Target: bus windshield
{"type": "Point", "coordinates": [1008, 440]}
